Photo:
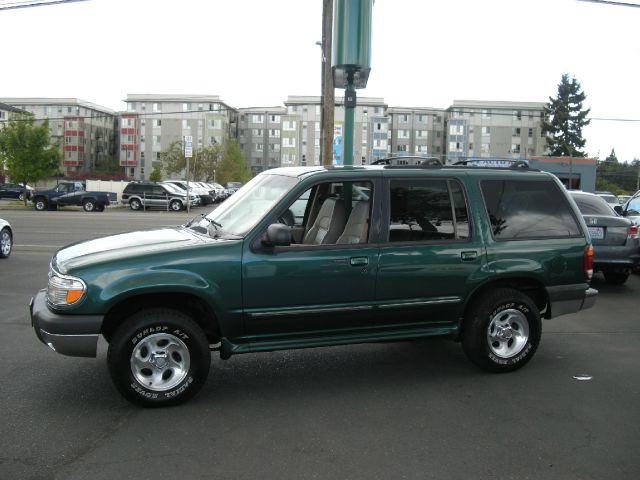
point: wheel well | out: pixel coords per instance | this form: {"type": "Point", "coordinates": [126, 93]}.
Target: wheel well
{"type": "Point", "coordinates": [534, 289]}
{"type": "Point", "coordinates": [193, 306]}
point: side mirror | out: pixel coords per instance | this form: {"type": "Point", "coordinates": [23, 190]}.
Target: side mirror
{"type": "Point", "coordinates": [277, 235]}
{"type": "Point", "coordinates": [618, 209]}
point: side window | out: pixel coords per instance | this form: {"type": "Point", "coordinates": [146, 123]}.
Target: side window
{"type": "Point", "coordinates": [427, 210]}
{"type": "Point", "coordinates": [331, 213]}
{"type": "Point", "coordinates": [521, 209]}
{"type": "Point", "coordinates": [158, 190]}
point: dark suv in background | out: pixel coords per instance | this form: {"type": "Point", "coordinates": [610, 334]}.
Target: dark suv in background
{"type": "Point", "coordinates": [143, 195]}
{"type": "Point", "coordinates": [315, 256]}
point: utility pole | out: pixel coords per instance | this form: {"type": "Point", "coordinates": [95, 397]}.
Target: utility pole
{"type": "Point", "coordinates": [327, 100]}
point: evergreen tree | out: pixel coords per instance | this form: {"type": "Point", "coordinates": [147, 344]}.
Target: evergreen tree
{"type": "Point", "coordinates": [26, 151]}
{"type": "Point", "coordinates": [612, 157]}
{"type": "Point", "coordinates": [565, 119]}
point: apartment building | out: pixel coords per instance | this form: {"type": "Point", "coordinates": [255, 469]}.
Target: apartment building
{"type": "Point", "coordinates": [153, 121]}
{"type": "Point", "coordinates": [417, 131]}
{"type": "Point", "coordinates": [260, 136]}
{"type": "Point", "coordinates": [85, 130]}
{"type": "Point", "coordinates": [483, 129]}
{"type": "Point", "coordinates": [301, 131]}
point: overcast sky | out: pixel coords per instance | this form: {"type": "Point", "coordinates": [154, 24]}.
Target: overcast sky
{"type": "Point", "coordinates": [425, 53]}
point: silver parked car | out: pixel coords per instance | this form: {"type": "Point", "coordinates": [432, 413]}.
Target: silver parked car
{"type": "Point", "coordinates": [6, 238]}
{"type": "Point", "coordinates": [616, 249]}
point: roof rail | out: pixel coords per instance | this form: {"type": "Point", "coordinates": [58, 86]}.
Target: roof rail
{"type": "Point", "coordinates": [489, 161]}
{"type": "Point", "coordinates": [409, 160]}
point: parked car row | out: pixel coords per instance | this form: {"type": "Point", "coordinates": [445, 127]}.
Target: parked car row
{"type": "Point", "coordinates": [172, 194]}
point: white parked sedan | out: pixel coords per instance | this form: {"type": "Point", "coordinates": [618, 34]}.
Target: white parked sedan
{"type": "Point", "coordinates": [6, 238]}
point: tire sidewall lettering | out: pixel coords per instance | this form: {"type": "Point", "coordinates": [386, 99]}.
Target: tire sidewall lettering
{"type": "Point", "coordinates": [146, 332]}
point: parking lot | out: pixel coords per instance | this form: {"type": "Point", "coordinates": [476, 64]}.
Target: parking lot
{"type": "Point", "coordinates": [375, 411]}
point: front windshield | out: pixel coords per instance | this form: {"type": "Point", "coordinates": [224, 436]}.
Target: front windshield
{"type": "Point", "coordinates": [633, 207]}
{"type": "Point", "coordinates": [238, 214]}
{"type": "Point", "coordinates": [173, 188]}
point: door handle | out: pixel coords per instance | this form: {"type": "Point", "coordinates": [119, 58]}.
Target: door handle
{"type": "Point", "coordinates": [359, 261]}
{"type": "Point", "coordinates": [469, 256]}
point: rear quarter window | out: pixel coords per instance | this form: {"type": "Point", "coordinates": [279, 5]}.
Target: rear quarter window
{"type": "Point", "coordinates": [528, 209]}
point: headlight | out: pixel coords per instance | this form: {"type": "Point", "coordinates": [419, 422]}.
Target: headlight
{"type": "Point", "coordinates": [64, 290]}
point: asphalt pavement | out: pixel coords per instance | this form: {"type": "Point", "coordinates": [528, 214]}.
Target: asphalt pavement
{"type": "Point", "coordinates": [407, 410]}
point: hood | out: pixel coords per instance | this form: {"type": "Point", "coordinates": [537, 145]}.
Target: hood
{"type": "Point", "coordinates": [124, 245]}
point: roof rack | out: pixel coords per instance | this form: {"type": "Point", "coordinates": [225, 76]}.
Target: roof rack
{"type": "Point", "coordinates": [409, 160]}
{"type": "Point", "coordinates": [515, 164]}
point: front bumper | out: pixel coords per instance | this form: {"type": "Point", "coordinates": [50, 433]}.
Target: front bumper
{"type": "Point", "coordinates": [73, 335]}
{"type": "Point", "coordinates": [565, 299]}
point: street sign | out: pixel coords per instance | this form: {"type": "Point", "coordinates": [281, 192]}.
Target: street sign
{"type": "Point", "coordinates": [188, 146]}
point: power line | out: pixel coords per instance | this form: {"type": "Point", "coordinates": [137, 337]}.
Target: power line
{"type": "Point", "coordinates": [31, 3]}
{"type": "Point", "coordinates": [617, 4]}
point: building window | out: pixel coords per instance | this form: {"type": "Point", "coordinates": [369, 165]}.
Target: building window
{"type": "Point", "coordinates": [403, 133]}
{"type": "Point", "coordinates": [515, 148]}
{"type": "Point", "coordinates": [401, 148]}
{"type": "Point", "coordinates": [257, 118]}
{"type": "Point", "coordinates": [515, 132]}
{"type": "Point", "coordinates": [157, 122]}
{"type": "Point", "coordinates": [486, 113]}
{"type": "Point", "coordinates": [486, 131]}
{"type": "Point", "coordinates": [257, 132]}
{"type": "Point", "coordinates": [289, 125]}
{"type": "Point", "coordinates": [185, 125]}
{"type": "Point", "coordinates": [274, 118]}
{"type": "Point", "coordinates": [530, 132]}
{"type": "Point", "coordinates": [456, 129]}
{"type": "Point", "coordinates": [157, 107]}
{"type": "Point", "coordinates": [186, 107]}
{"type": "Point", "coordinates": [404, 118]}
{"type": "Point", "coordinates": [455, 147]}
{"type": "Point", "coordinates": [274, 133]}
{"type": "Point", "coordinates": [517, 115]}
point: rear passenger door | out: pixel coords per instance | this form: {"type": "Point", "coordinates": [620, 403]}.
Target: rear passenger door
{"type": "Point", "coordinates": [430, 253]}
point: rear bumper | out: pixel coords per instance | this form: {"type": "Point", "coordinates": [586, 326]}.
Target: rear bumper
{"type": "Point", "coordinates": [565, 299]}
{"type": "Point", "coordinates": [73, 335]}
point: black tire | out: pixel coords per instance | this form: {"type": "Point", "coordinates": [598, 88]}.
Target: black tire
{"type": "Point", "coordinates": [6, 243]}
{"type": "Point", "coordinates": [501, 330]}
{"type": "Point", "coordinates": [175, 205]}
{"type": "Point", "coordinates": [40, 204]}
{"type": "Point", "coordinates": [616, 278]}
{"type": "Point", "coordinates": [135, 204]}
{"type": "Point", "coordinates": [88, 205]}
{"type": "Point", "coordinates": [159, 345]}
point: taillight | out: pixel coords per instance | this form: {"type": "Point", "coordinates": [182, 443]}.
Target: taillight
{"type": "Point", "coordinates": [633, 231]}
{"type": "Point", "coordinates": [588, 262]}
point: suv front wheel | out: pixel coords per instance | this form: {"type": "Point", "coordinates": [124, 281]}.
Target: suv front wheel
{"type": "Point", "coordinates": [175, 205]}
{"type": "Point", "coordinates": [501, 330]}
{"type": "Point", "coordinates": [159, 357]}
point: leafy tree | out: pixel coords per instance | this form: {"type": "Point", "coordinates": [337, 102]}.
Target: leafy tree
{"type": "Point", "coordinates": [202, 166]}
{"type": "Point", "coordinates": [233, 167]}
{"type": "Point", "coordinates": [156, 175]}
{"type": "Point", "coordinates": [26, 151]}
{"type": "Point", "coordinates": [565, 119]}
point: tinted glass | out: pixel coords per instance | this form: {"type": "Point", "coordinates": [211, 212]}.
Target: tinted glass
{"type": "Point", "coordinates": [520, 209]}
{"type": "Point", "coordinates": [592, 205]}
{"type": "Point", "coordinates": [422, 210]}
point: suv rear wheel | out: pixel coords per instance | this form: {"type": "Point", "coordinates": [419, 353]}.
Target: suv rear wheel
{"type": "Point", "coordinates": [159, 357]}
{"type": "Point", "coordinates": [135, 204]}
{"type": "Point", "coordinates": [502, 330]}
{"type": "Point", "coordinates": [40, 204]}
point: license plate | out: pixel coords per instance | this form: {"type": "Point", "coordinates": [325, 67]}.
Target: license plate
{"type": "Point", "coordinates": [596, 233]}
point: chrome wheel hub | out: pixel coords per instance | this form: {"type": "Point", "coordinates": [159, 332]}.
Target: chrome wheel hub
{"type": "Point", "coordinates": [159, 362]}
{"type": "Point", "coordinates": [5, 243]}
{"type": "Point", "coordinates": [508, 333]}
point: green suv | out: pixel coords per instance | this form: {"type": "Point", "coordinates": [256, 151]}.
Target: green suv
{"type": "Point", "coordinates": [309, 257]}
